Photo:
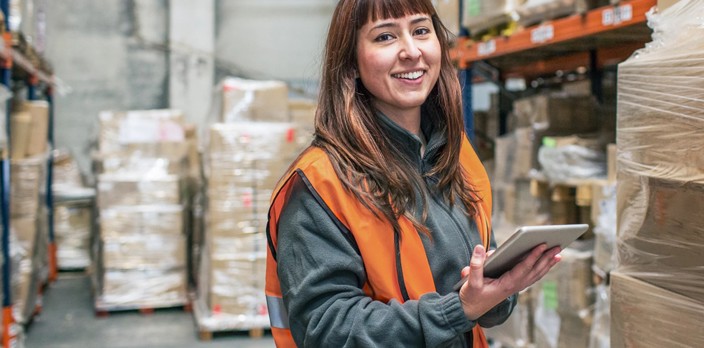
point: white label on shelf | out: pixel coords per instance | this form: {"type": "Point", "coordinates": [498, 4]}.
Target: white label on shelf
{"type": "Point", "coordinates": [607, 17]}
{"type": "Point", "coordinates": [542, 34]}
{"type": "Point", "coordinates": [625, 13]}
{"type": "Point", "coordinates": [616, 15]}
{"type": "Point", "coordinates": [486, 48]}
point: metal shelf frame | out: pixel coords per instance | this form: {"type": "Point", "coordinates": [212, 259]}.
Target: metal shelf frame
{"type": "Point", "coordinates": [603, 36]}
{"type": "Point", "coordinates": [37, 79]}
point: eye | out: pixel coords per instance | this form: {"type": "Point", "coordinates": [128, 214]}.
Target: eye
{"type": "Point", "coordinates": [421, 31]}
{"type": "Point", "coordinates": [384, 37]}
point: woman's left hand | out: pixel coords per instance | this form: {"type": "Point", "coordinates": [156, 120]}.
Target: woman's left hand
{"type": "Point", "coordinates": [480, 294]}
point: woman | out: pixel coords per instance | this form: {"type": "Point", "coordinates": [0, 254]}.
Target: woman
{"type": "Point", "coordinates": [380, 216]}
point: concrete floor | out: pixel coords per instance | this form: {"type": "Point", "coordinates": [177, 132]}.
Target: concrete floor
{"type": "Point", "coordinates": [68, 321]}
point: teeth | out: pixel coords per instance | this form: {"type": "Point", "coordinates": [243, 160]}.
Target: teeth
{"type": "Point", "coordinates": [409, 76]}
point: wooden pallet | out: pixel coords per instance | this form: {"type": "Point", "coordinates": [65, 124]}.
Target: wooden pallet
{"type": "Point", "coordinates": [103, 311]}
{"type": "Point", "coordinates": [209, 325]}
{"type": "Point", "coordinates": [255, 333]}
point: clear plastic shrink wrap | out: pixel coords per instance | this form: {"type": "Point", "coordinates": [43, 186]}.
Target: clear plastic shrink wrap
{"type": "Point", "coordinates": [141, 246]}
{"type": "Point", "coordinates": [660, 245]}
{"type": "Point", "coordinates": [243, 164]}
{"type": "Point", "coordinates": [28, 251]}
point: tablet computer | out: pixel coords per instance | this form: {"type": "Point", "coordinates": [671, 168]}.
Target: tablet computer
{"type": "Point", "coordinates": [516, 247]}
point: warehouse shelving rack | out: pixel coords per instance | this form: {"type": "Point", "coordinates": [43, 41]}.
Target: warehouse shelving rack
{"type": "Point", "coordinates": [600, 37]}
{"type": "Point", "coordinates": [10, 58]}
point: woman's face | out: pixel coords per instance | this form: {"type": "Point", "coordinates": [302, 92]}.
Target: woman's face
{"type": "Point", "coordinates": [399, 61]}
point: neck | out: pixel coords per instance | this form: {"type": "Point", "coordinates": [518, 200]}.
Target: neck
{"type": "Point", "coordinates": [406, 119]}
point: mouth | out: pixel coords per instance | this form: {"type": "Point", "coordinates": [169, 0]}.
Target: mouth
{"type": "Point", "coordinates": [414, 75]}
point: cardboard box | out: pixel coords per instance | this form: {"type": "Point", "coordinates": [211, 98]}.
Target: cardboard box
{"type": "Point", "coordinates": [558, 113]}
{"type": "Point", "coordinates": [39, 134]}
{"type": "Point", "coordinates": [564, 301]}
{"type": "Point", "coordinates": [535, 11]}
{"type": "Point", "coordinates": [518, 329]}
{"type": "Point", "coordinates": [164, 220]}
{"type": "Point", "coordinates": [118, 130]}
{"type": "Point", "coordinates": [73, 225]}
{"type": "Point", "coordinates": [251, 100]}
{"type": "Point", "coordinates": [660, 236]}
{"type": "Point", "coordinates": [142, 288]}
{"type": "Point", "coordinates": [664, 4]}
{"type": "Point", "coordinates": [26, 184]}
{"type": "Point", "coordinates": [132, 189]}
{"type": "Point", "coordinates": [21, 129]}
{"type": "Point", "coordinates": [647, 316]}
{"type": "Point", "coordinates": [611, 162]}
{"type": "Point", "coordinates": [237, 287]}
{"type": "Point", "coordinates": [449, 13]}
{"type": "Point", "coordinates": [155, 252]}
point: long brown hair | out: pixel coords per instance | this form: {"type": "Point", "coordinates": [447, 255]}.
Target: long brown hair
{"type": "Point", "coordinates": [349, 131]}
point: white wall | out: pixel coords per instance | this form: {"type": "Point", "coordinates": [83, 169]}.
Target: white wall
{"type": "Point", "coordinates": [272, 39]}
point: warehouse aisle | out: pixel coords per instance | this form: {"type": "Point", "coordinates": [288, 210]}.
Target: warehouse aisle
{"type": "Point", "coordinates": [68, 321]}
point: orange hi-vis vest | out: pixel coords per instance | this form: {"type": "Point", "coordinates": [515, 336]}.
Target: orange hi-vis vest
{"type": "Point", "coordinates": [388, 275]}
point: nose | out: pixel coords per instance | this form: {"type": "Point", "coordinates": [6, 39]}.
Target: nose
{"type": "Point", "coordinates": [409, 50]}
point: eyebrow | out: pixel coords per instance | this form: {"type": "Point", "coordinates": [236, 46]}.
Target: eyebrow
{"type": "Point", "coordinates": [393, 24]}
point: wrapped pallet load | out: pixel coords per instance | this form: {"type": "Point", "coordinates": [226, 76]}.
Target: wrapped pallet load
{"type": "Point", "coordinates": [28, 229]}
{"type": "Point", "coordinates": [258, 134]}
{"type": "Point", "coordinates": [73, 213]}
{"type": "Point", "coordinates": [141, 246]}
{"type": "Point", "coordinates": [481, 15]}
{"type": "Point", "coordinates": [660, 243]}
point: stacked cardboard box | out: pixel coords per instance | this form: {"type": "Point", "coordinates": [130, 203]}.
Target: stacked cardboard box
{"type": "Point", "coordinates": [257, 132]}
{"type": "Point", "coordinates": [660, 187]}
{"type": "Point", "coordinates": [536, 11]}
{"type": "Point", "coordinates": [518, 329]}
{"type": "Point", "coordinates": [449, 13]}
{"type": "Point", "coordinates": [141, 259]}
{"type": "Point", "coordinates": [244, 162]}
{"type": "Point", "coordinates": [30, 129]}
{"type": "Point", "coordinates": [564, 302]}
{"type": "Point", "coordinates": [482, 15]}
{"type": "Point", "coordinates": [27, 208]}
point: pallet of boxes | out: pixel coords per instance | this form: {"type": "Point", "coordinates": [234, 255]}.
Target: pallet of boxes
{"type": "Point", "coordinates": [552, 154]}
{"type": "Point", "coordinates": [73, 213]}
{"type": "Point", "coordinates": [256, 135]}
{"type": "Point", "coordinates": [657, 297]}
{"type": "Point", "coordinates": [28, 211]}
{"type": "Point", "coordinates": [140, 252]}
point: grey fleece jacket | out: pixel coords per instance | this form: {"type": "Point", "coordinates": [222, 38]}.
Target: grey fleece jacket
{"type": "Point", "coordinates": [322, 273]}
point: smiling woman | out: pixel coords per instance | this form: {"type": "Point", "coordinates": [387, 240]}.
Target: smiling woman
{"type": "Point", "coordinates": [378, 219]}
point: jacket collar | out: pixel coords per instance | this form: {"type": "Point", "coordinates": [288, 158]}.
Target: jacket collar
{"type": "Point", "coordinates": [408, 143]}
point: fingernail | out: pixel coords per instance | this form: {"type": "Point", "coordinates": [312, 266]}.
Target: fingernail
{"type": "Point", "coordinates": [478, 251]}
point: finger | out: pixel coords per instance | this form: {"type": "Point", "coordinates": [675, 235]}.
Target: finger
{"type": "Point", "coordinates": [528, 264]}
{"type": "Point", "coordinates": [465, 272]}
{"type": "Point", "coordinates": [545, 264]}
{"type": "Point", "coordinates": [545, 260]}
{"type": "Point", "coordinates": [476, 265]}
{"type": "Point", "coordinates": [488, 253]}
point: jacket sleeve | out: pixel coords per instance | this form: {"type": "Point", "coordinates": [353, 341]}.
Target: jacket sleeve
{"type": "Point", "coordinates": [500, 312]}
{"type": "Point", "coordinates": [322, 276]}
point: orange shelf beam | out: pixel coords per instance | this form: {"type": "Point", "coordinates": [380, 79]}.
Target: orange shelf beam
{"type": "Point", "coordinates": [596, 21]}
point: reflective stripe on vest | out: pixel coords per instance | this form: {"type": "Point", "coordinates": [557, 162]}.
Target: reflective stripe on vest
{"type": "Point", "coordinates": [373, 235]}
{"type": "Point", "coordinates": [278, 316]}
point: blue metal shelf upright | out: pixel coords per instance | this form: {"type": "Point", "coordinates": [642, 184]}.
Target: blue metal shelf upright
{"type": "Point", "coordinates": [36, 80]}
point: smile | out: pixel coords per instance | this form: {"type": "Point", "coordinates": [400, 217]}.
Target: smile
{"type": "Point", "coordinates": [409, 76]}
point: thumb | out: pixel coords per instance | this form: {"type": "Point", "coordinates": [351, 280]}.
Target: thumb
{"type": "Point", "coordinates": [476, 266]}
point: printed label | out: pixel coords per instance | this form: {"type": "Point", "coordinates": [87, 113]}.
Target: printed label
{"type": "Point", "coordinates": [486, 48]}
{"type": "Point", "coordinates": [542, 34]}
